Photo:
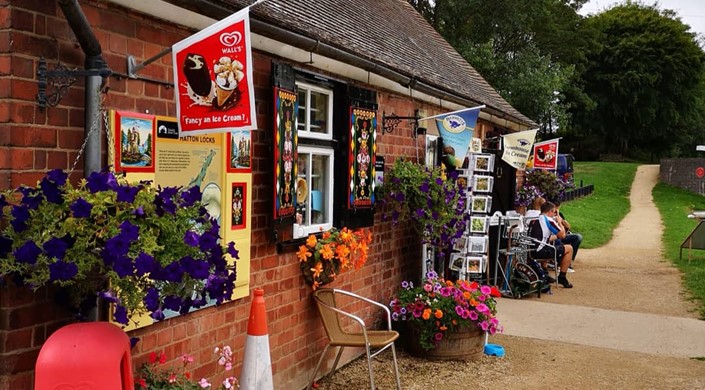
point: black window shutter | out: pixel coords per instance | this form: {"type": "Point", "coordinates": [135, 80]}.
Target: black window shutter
{"type": "Point", "coordinates": [356, 158]}
{"type": "Point", "coordinates": [285, 112]}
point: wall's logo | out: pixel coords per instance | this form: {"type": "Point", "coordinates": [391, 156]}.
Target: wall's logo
{"type": "Point", "coordinates": [230, 39]}
{"type": "Point", "coordinates": [454, 123]}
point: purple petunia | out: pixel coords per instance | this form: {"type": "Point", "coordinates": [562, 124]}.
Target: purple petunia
{"type": "Point", "coordinates": [27, 253]}
{"type": "Point", "coordinates": [127, 193]}
{"type": "Point", "coordinates": [20, 215]}
{"type": "Point", "coordinates": [191, 196]}
{"type": "Point", "coordinates": [130, 231]}
{"type": "Point", "coordinates": [117, 246]}
{"type": "Point", "coordinates": [158, 315]}
{"type": "Point", "coordinates": [151, 299]}
{"type": "Point", "coordinates": [62, 270]}
{"type": "Point", "coordinates": [51, 191]}
{"type": "Point", "coordinates": [145, 264]}
{"type": "Point", "coordinates": [81, 208]}
{"type": "Point", "coordinates": [57, 176]}
{"type": "Point", "coordinates": [424, 187]}
{"type": "Point", "coordinates": [234, 253]}
{"type": "Point", "coordinates": [120, 314]}
{"type": "Point", "coordinates": [101, 181]}
{"type": "Point", "coordinates": [123, 266]}
{"type": "Point", "coordinates": [55, 248]}
{"type": "Point", "coordinates": [108, 296]}
{"type": "Point", "coordinates": [191, 238]}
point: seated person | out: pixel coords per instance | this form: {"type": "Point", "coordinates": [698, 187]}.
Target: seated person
{"type": "Point", "coordinates": [535, 210]}
{"type": "Point", "coordinates": [573, 239]}
{"type": "Point", "coordinates": [551, 230]}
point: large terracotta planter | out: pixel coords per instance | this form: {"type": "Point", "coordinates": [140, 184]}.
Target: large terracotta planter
{"type": "Point", "coordinates": [464, 344]}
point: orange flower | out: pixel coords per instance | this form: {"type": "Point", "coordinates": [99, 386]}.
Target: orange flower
{"type": "Point", "coordinates": [438, 313]}
{"type": "Point", "coordinates": [311, 241]}
{"type": "Point", "coordinates": [426, 314]}
{"type": "Point", "coordinates": [317, 270]}
{"type": "Point", "coordinates": [466, 295]}
{"type": "Point", "coordinates": [327, 252]}
{"type": "Point", "coordinates": [473, 302]}
{"type": "Point", "coordinates": [342, 251]}
{"type": "Point", "coordinates": [443, 328]}
{"type": "Point", "coordinates": [346, 235]}
{"type": "Point", "coordinates": [326, 235]}
{"type": "Point", "coordinates": [303, 254]}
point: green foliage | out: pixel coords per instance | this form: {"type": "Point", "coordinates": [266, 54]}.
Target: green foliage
{"type": "Point", "coordinates": [437, 307]}
{"type": "Point", "coordinates": [143, 248]}
{"type": "Point", "coordinates": [434, 203]}
{"type": "Point", "coordinates": [547, 184]}
{"type": "Point", "coordinates": [646, 79]}
{"type": "Point", "coordinates": [597, 215]}
{"type": "Point", "coordinates": [674, 205]}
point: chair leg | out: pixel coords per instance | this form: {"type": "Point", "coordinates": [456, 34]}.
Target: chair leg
{"type": "Point", "coordinates": [369, 367]}
{"type": "Point", "coordinates": [313, 376]}
{"type": "Point", "coordinates": [396, 367]}
{"type": "Point", "coordinates": [337, 359]}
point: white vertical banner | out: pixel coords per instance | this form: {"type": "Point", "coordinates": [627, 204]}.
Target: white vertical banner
{"type": "Point", "coordinates": [517, 148]}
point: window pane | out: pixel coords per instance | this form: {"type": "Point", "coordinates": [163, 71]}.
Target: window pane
{"type": "Point", "coordinates": [319, 189]}
{"type": "Point", "coordinates": [302, 109]}
{"type": "Point", "coordinates": [319, 113]}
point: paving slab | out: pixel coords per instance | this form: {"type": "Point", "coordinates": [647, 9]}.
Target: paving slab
{"type": "Point", "coordinates": [621, 330]}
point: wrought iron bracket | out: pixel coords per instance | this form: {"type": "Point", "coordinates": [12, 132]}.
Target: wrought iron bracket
{"type": "Point", "coordinates": [390, 122]}
{"type": "Point", "coordinates": [55, 84]}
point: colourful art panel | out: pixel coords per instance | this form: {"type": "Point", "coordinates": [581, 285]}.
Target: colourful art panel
{"type": "Point", "coordinates": [240, 151]}
{"type": "Point", "coordinates": [285, 152]}
{"type": "Point", "coordinates": [361, 188]}
{"type": "Point", "coordinates": [239, 206]}
{"type": "Point", "coordinates": [134, 142]}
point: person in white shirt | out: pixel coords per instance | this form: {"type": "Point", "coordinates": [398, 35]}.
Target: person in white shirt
{"type": "Point", "coordinates": [551, 230]}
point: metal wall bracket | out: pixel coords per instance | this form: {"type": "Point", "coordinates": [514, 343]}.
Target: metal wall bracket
{"type": "Point", "coordinates": [55, 84]}
{"type": "Point", "coordinates": [390, 123]}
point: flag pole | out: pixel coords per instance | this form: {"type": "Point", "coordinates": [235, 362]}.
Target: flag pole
{"type": "Point", "coordinates": [452, 112]}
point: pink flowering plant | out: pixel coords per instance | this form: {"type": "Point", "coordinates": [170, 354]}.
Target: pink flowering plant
{"type": "Point", "coordinates": [157, 374]}
{"type": "Point", "coordinates": [143, 248]}
{"type": "Point", "coordinates": [439, 306]}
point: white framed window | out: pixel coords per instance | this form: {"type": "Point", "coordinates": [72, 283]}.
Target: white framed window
{"type": "Point", "coordinates": [314, 191]}
{"type": "Point", "coordinates": [314, 182]}
{"type": "Point", "coordinates": [315, 111]}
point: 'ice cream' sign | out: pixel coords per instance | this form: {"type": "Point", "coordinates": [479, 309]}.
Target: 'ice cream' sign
{"type": "Point", "coordinates": [213, 78]}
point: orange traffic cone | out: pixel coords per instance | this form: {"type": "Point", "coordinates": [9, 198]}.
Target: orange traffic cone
{"type": "Point", "coordinates": [257, 365]}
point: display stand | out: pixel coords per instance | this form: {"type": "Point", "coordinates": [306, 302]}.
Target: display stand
{"type": "Point", "coordinates": [470, 252]}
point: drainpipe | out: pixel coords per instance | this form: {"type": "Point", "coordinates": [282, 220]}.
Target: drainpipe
{"type": "Point", "coordinates": [94, 61]}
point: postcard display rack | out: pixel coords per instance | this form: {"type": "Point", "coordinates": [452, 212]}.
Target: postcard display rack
{"type": "Point", "coordinates": [470, 252]}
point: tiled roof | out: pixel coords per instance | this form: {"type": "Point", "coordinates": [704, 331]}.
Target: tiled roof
{"type": "Point", "coordinates": [388, 32]}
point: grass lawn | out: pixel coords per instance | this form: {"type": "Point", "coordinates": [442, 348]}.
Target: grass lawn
{"type": "Point", "coordinates": [600, 212]}
{"type": "Point", "coordinates": [675, 204]}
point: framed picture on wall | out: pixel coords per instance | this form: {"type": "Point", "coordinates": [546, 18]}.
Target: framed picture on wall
{"type": "Point", "coordinates": [478, 224]}
{"type": "Point", "coordinates": [482, 183]}
{"type": "Point", "coordinates": [482, 162]}
{"type": "Point", "coordinates": [480, 204]}
{"type": "Point", "coordinates": [475, 264]}
{"type": "Point", "coordinates": [478, 244]}
{"type": "Point", "coordinates": [240, 151]}
{"type": "Point", "coordinates": [134, 142]}
{"type": "Point", "coordinates": [457, 262]}
{"type": "Point", "coordinates": [238, 213]}
{"type": "Point", "coordinates": [461, 243]}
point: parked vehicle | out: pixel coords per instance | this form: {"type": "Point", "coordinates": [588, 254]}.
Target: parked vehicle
{"type": "Point", "coordinates": [564, 169]}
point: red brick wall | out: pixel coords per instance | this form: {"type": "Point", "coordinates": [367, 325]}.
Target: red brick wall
{"type": "Point", "coordinates": [34, 140]}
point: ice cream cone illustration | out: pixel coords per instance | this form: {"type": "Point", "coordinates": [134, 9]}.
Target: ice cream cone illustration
{"type": "Point", "coordinates": [228, 75]}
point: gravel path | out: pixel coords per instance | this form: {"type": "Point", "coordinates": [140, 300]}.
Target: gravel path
{"type": "Point", "coordinates": [628, 274]}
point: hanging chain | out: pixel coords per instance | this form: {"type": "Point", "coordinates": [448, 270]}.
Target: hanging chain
{"type": "Point", "coordinates": [100, 98]}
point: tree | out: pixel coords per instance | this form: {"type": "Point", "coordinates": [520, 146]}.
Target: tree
{"type": "Point", "coordinates": [527, 50]}
{"type": "Point", "coordinates": [646, 79]}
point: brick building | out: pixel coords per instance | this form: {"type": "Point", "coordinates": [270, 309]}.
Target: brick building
{"type": "Point", "coordinates": [380, 53]}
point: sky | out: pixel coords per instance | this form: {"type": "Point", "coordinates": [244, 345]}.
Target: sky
{"type": "Point", "coordinates": [691, 12]}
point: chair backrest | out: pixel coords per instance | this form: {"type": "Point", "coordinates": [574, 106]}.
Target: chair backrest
{"type": "Point", "coordinates": [325, 301]}
{"type": "Point", "coordinates": [535, 231]}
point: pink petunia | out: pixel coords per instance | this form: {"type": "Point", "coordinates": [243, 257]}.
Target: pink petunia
{"type": "Point", "coordinates": [486, 290]}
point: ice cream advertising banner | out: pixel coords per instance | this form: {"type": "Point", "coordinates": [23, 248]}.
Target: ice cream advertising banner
{"type": "Point", "coordinates": [457, 129]}
{"type": "Point", "coordinates": [213, 78]}
{"type": "Point", "coordinates": [517, 148]}
{"type": "Point", "coordinates": [546, 154]}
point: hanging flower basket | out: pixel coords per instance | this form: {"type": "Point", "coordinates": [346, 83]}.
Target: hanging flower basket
{"type": "Point", "coordinates": [323, 258]}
